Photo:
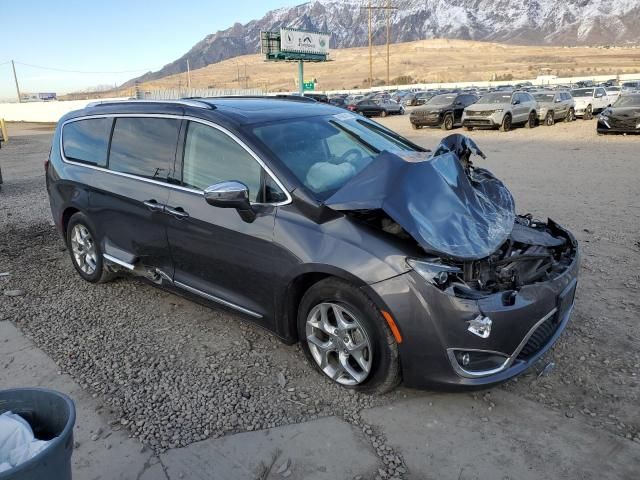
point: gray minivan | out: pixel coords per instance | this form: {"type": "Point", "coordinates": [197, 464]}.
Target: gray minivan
{"type": "Point", "coordinates": [383, 260]}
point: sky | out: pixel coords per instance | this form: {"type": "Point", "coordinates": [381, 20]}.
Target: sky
{"type": "Point", "coordinates": [130, 37]}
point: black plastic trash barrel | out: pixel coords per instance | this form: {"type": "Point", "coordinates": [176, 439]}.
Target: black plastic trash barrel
{"type": "Point", "coordinates": [52, 416]}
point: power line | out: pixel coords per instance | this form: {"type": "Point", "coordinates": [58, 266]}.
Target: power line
{"type": "Point", "coordinates": [78, 71]}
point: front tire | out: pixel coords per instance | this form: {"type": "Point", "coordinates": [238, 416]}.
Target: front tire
{"type": "Point", "coordinates": [505, 126]}
{"type": "Point", "coordinates": [85, 251]}
{"type": "Point", "coordinates": [344, 335]}
{"type": "Point", "coordinates": [571, 115]}
{"type": "Point", "coordinates": [447, 123]}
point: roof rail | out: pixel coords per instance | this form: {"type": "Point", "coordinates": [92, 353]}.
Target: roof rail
{"type": "Point", "coordinates": [184, 101]}
{"type": "Point", "coordinates": [280, 96]}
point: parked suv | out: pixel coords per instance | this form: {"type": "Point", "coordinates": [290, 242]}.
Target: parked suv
{"type": "Point", "coordinates": [283, 212]}
{"type": "Point", "coordinates": [590, 101]}
{"type": "Point", "coordinates": [444, 111]}
{"type": "Point", "coordinates": [501, 110]}
{"type": "Point", "coordinates": [553, 106]}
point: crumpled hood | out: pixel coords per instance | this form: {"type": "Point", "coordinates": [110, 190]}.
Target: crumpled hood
{"type": "Point", "coordinates": [449, 207]}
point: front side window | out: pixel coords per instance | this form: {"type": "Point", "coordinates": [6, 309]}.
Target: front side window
{"type": "Point", "coordinates": [87, 140]}
{"type": "Point", "coordinates": [211, 156]}
{"type": "Point", "coordinates": [145, 147]}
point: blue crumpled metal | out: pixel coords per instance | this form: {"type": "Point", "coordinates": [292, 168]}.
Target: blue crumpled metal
{"type": "Point", "coordinates": [448, 206]}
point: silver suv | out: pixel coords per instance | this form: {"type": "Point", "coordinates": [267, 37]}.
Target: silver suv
{"type": "Point", "coordinates": [553, 106]}
{"type": "Point", "coordinates": [501, 110]}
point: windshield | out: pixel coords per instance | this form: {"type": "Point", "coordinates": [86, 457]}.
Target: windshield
{"type": "Point", "coordinates": [628, 101]}
{"type": "Point", "coordinates": [442, 100]}
{"type": "Point", "coordinates": [327, 151]}
{"type": "Point", "coordinates": [544, 97]}
{"type": "Point", "coordinates": [496, 98]}
{"type": "Point", "coordinates": [582, 92]}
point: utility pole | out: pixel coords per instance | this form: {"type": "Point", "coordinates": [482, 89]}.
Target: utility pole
{"type": "Point", "coordinates": [15, 77]}
{"type": "Point", "coordinates": [188, 75]}
{"type": "Point", "coordinates": [388, 29]}
{"type": "Point", "coordinates": [387, 9]}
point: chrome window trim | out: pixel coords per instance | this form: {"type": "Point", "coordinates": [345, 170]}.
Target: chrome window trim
{"type": "Point", "coordinates": [165, 184]}
{"type": "Point", "coordinates": [219, 300]}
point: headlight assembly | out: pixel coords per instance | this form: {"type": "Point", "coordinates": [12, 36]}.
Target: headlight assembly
{"type": "Point", "coordinates": [432, 271]}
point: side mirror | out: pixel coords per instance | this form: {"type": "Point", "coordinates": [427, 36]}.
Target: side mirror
{"type": "Point", "coordinates": [516, 102]}
{"type": "Point", "coordinates": [231, 194]}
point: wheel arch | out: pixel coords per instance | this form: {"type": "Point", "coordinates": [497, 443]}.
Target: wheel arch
{"type": "Point", "coordinates": [302, 280]}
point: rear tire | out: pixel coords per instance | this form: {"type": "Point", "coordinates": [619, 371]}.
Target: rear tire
{"type": "Point", "coordinates": [588, 113]}
{"type": "Point", "coordinates": [549, 119]}
{"type": "Point", "coordinates": [532, 121]}
{"type": "Point", "coordinates": [319, 312]}
{"type": "Point", "coordinates": [85, 251]}
{"type": "Point", "coordinates": [505, 126]}
{"type": "Point", "coordinates": [447, 123]}
{"type": "Point", "coordinates": [468, 129]}
{"type": "Point", "coordinates": [383, 113]}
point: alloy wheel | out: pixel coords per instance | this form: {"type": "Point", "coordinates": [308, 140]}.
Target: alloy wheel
{"type": "Point", "coordinates": [339, 343]}
{"type": "Point", "coordinates": [84, 249]}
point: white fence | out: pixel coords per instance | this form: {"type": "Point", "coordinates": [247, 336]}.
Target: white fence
{"type": "Point", "coordinates": [41, 111]}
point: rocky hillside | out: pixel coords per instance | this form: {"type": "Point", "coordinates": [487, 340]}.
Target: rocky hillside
{"type": "Point", "coordinates": [532, 22]}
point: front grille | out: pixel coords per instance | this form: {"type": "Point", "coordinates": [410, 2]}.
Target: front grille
{"type": "Point", "coordinates": [623, 123]}
{"type": "Point", "coordinates": [539, 338]}
{"type": "Point", "coordinates": [485, 113]}
{"type": "Point", "coordinates": [476, 122]}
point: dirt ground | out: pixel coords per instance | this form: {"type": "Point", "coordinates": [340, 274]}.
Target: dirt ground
{"type": "Point", "coordinates": [425, 61]}
{"type": "Point", "coordinates": [175, 372]}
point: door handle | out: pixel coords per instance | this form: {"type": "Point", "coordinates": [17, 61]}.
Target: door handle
{"type": "Point", "coordinates": [153, 205]}
{"type": "Point", "coordinates": [177, 212]}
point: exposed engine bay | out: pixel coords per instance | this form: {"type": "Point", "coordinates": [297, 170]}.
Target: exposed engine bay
{"type": "Point", "coordinates": [463, 219]}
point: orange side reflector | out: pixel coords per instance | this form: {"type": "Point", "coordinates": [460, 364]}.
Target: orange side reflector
{"type": "Point", "coordinates": [392, 325]}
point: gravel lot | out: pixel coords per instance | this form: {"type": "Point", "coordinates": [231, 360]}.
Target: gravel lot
{"type": "Point", "coordinates": [173, 372]}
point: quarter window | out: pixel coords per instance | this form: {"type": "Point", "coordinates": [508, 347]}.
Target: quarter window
{"type": "Point", "coordinates": [211, 156]}
{"type": "Point", "coordinates": [145, 147]}
{"type": "Point", "coordinates": [87, 140]}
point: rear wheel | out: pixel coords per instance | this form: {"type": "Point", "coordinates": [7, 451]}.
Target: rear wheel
{"type": "Point", "coordinates": [532, 121]}
{"type": "Point", "coordinates": [447, 123]}
{"type": "Point", "coordinates": [588, 113]}
{"type": "Point", "coordinates": [344, 335]}
{"type": "Point", "coordinates": [85, 250]}
{"type": "Point", "coordinates": [505, 126]}
{"type": "Point", "coordinates": [549, 119]}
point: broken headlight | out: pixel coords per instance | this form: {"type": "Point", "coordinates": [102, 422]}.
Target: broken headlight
{"type": "Point", "coordinates": [432, 271]}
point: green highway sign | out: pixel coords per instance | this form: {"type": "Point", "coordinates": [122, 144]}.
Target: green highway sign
{"type": "Point", "coordinates": [308, 86]}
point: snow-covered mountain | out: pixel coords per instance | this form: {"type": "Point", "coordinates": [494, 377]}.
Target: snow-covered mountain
{"type": "Point", "coordinates": [533, 22]}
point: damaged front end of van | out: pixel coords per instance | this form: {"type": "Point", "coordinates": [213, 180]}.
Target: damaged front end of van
{"type": "Point", "coordinates": [492, 291]}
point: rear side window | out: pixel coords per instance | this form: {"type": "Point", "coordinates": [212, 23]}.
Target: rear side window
{"type": "Point", "coordinates": [211, 156]}
{"type": "Point", "coordinates": [145, 147]}
{"type": "Point", "coordinates": [87, 140]}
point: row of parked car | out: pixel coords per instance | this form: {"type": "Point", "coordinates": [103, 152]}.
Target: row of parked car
{"type": "Point", "coordinates": [503, 109]}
